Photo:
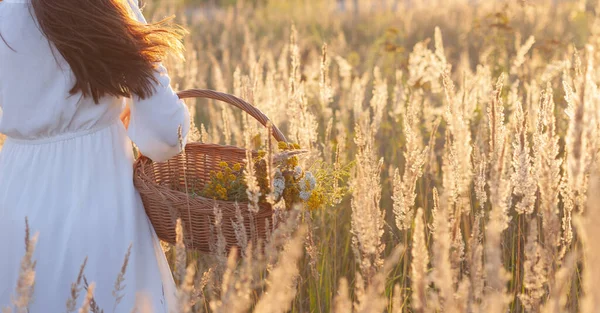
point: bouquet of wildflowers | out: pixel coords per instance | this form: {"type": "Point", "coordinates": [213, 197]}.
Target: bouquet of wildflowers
{"type": "Point", "coordinates": [293, 184]}
{"type": "Point", "coordinates": [290, 182]}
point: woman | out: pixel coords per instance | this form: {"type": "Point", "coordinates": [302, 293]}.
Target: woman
{"type": "Point", "coordinates": [66, 67]}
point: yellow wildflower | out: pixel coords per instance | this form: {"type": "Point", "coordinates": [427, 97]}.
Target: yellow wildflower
{"type": "Point", "coordinates": [315, 201]}
{"type": "Point", "coordinates": [237, 167]}
{"type": "Point", "coordinates": [293, 161]}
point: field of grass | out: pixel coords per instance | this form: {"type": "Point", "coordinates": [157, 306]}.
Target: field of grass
{"type": "Point", "coordinates": [455, 141]}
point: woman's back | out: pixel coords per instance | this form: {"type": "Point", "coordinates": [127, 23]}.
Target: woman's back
{"type": "Point", "coordinates": [35, 82]}
{"type": "Point", "coordinates": [66, 167]}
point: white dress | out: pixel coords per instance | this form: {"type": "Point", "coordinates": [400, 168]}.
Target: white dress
{"type": "Point", "coordinates": [66, 165]}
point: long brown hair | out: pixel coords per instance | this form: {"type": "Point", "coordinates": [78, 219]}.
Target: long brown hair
{"type": "Point", "coordinates": [109, 52]}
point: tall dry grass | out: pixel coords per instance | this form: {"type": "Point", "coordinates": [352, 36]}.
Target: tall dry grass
{"type": "Point", "coordinates": [457, 146]}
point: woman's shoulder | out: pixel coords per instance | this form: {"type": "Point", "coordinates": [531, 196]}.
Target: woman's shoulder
{"type": "Point", "coordinates": [14, 1]}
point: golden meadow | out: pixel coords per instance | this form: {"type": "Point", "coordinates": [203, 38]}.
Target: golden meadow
{"type": "Point", "coordinates": [455, 141]}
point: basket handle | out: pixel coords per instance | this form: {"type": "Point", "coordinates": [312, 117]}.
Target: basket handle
{"type": "Point", "coordinates": [235, 101]}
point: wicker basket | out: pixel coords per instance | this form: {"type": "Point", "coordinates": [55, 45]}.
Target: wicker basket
{"type": "Point", "coordinates": [160, 186]}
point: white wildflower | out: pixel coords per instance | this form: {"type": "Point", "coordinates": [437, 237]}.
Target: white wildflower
{"type": "Point", "coordinates": [278, 187]}
{"type": "Point", "coordinates": [307, 185]}
{"type": "Point", "coordinates": [305, 195]}
{"type": "Point", "coordinates": [278, 184]}
{"type": "Point", "coordinates": [297, 172]}
{"type": "Point", "coordinates": [310, 180]}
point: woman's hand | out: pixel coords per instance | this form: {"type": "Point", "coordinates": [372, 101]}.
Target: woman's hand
{"type": "Point", "coordinates": [125, 116]}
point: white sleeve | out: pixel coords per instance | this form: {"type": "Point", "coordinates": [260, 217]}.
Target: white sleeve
{"type": "Point", "coordinates": [134, 5]}
{"type": "Point", "coordinates": [155, 121]}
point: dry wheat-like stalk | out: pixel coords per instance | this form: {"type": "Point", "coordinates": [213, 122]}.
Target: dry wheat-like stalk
{"type": "Point", "coordinates": [253, 189]}
{"type": "Point", "coordinates": [219, 245]}
{"type": "Point", "coordinates": [424, 66]}
{"type": "Point", "coordinates": [522, 51]}
{"type": "Point", "coordinates": [281, 284]}
{"type": "Point", "coordinates": [342, 301]}
{"type": "Point", "coordinates": [548, 166]}
{"type": "Point", "coordinates": [524, 176]}
{"type": "Point", "coordinates": [535, 273]}
{"type": "Point", "coordinates": [238, 285]}
{"type": "Point", "coordinates": [89, 297]}
{"type": "Point", "coordinates": [180, 252]}
{"type": "Point", "coordinates": [240, 229]}
{"type": "Point", "coordinates": [312, 251]}
{"type": "Point", "coordinates": [397, 304]}
{"type": "Point", "coordinates": [92, 306]}
{"type": "Point", "coordinates": [26, 280]}
{"type": "Point", "coordinates": [76, 289]}
{"type": "Point", "coordinates": [326, 92]}
{"type": "Point", "coordinates": [457, 167]}
{"type": "Point", "coordinates": [119, 286]}
{"type": "Point", "coordinates": [434, 209]}
{"type": "Point", "coordinates": [586, 226]}
{"type": "Point", "coordinates": [288, 222]}
{"type": "Point", "coordinates": [367, 223]}
{"type": "Point", "coordinates": [579, 112]}
{"type": "Point", "coordinates": [495, 115]}
{"type": "Point", "coordinates": [442, 274]}
{"type": "Point", "coordinates": [439, 45]}
{"type": "Point", "coordinates": [302, 123]}
{"type": "Point", "coordinates": [558, 296]}
{"type": "Point", "coordinates": [403, 214]}
{"type": "Point", "coordinates": [451, 178]}
{"type": "Point", "coordinates": [378, 101]}
{"type": "Point", "coordinates": [481, 183]}
{"type": "Point", "coordinates": [419, 265]}
{"type": "Point", "coordinates": [374, 299]}
{"type": "Point", "coordinates": [495, 296]}
{"type": "Point", "coordinates": [367, 217]}
{"type": "Point", "coordinates": [415, 156]}
{"type": "Point", "coordinates": [457, 253]}
{"type": "Point", "coordinates": [476, 266]}
{"type": "Point", "coordinates": [186, 288]}
{"type": "Point", "coordinates": [143, 304]}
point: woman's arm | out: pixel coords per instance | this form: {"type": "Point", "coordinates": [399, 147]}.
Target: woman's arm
{"type": "Point", "coordinates": [154, 122]}
{"type": "Point", "coordinates": [134, 5]}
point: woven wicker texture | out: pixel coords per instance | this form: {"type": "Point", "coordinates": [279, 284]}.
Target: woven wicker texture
{"type": "Point", "coordinates": [162, 187]}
